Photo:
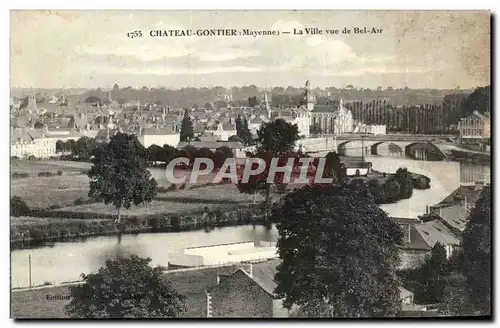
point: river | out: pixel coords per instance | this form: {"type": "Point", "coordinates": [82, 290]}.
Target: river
{"type": "Point", "coordinates": [65, 261]}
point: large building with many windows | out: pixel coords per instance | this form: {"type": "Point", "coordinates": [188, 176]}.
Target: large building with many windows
{"type": "Point", "coordinates": [475, 126]}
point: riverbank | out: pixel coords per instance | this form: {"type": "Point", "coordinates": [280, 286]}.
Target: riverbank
{"type": "Point", "coordinates": [28, 232]}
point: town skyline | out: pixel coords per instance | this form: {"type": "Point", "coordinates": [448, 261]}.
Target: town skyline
{"type": "Point", "coordinates": [83, 49]}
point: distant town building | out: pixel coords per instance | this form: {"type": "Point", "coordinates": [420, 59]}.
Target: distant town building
{"type": "Point", "coordinates": [224, 131]}
{"type": "Point", "coordinates": [370, 129]}
{"type": "Point", "coordinates": [329, 119]}
{"type": "Point", "coordinates": [236, 147]}
{"type": "Point", "coordinates": [475, 126]}
{"type": "Point", "coordinates": [159, 137]}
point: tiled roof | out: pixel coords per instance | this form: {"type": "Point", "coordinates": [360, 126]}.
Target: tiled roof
{"type": "Point", "coordinates": [263, 274]}
{"type": "Point", "coordinates": [323, 109]}
{"type": "Point", "coordinates": [454, 215]}
{"type": "Point", "coordinates": [403, 293]}
{"type": "Point", "coordinates": [465, 191]}
{"type": "Point", "coordinates": [159, 131]}
{"type": "Point", "coordinates": [211, 144]}
{"type": "Point", "coordinates": [434, 231]}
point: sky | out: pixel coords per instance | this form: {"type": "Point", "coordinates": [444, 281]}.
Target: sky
{"type": "Point", "coordinates": [90, 49]}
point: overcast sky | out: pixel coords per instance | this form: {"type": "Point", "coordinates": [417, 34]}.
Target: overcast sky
{"type": "Point", "coordinates": [90, 49]}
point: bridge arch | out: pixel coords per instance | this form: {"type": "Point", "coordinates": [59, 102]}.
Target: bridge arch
{"type": "Point", "coordinates": [424, 150]}
{"type": "Point", "coordinates": [373, 148]}
{"type": "Point", "coordinates": [341, 147]}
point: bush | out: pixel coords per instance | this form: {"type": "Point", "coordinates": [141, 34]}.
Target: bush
{"type": "Point", "coordinates": [175, 222]}
{"type": "Point", "coordinates": [18, 207]}
{"type": "Point", "coordinates": [14, 158]}
{"type": "Point", "coordinates": [45, 174]}
{"type": "Point", "coordinates": [172, 187]}
{"type": "Point", "coordinates": [59, 172]}
{"type": "Point", "coordinates": [79, 201]}
{"type": "Point", "coordinates": [31, 158]}
{"type": "Point", "coordinates": [16, 175]}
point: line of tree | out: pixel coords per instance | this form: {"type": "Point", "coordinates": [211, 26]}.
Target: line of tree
{"type": "Point", "coordinates": [397, 186]}
{"type": "Point", "coordinates": [165, 154]}
{"type": "Point", "coordinates": [81, 149]}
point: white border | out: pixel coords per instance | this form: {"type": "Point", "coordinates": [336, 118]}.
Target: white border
{"type": "Point", "coordinates": [189, 4]}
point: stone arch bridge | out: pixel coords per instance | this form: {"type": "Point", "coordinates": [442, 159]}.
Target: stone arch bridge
{"type": "Point", "coordinates": [421, 147]}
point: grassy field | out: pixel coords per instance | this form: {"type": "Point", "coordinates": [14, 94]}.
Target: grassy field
{"type": "Point", "coordinates": [178, 201]}
{"type": "Point", "coordinates": [192, 284]}
{"type": "Point", "coordinates": [42, 192]}
{"type": "Point", "coordinates": [62, 191]}
{"type": "Point", "coordinates": [34, 167]}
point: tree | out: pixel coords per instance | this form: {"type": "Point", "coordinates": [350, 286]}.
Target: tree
{"type": "Point", "coordinates": [333, 167]}
{"type": "Point", "coordinates": [220, 156]}
{"type": "Point", "coordinates": [377, 191]}
{"type": "Point", "coordinates": [405, 182]}
{"type": "Point", "coordinates": [476, 253]}
{"type": "Point", "coordinates": [238, 122]}
{"type": "Point", "coordinates": [431, 276]}
{"type": "Point", "coordinates": [82, 149]}
{"type": "Point", "coordinates": [168, 153]}
{"type": "Point", "coordinates": [119, 175]}
{"type": "Point", "coordinates": [277, 137]}
{"type": "Point", "coordinates": [18, 207]}
{"type": "Point", "coordinates": [155, 153]}
{"type": "Point", "coordinates": [339, 253]}
{"type": "Point", "coordinates": [60, 146]}
{"type": "Point", "coordinates": [244, 133]}
{"type": "Point", "coordinates": [455, 300]}
{"type": "Point", "coordinates": [187, 132]}
{"type": "Point", "coordinates": [125, 288]}
{"type": "Point", "coordinates": [391, 190]}
{"type": "Point", "coordinates": [38, 125]}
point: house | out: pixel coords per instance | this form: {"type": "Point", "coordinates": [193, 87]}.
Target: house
{"type": "Point", "coordinates": [453, 211]}
{"type": "Point", "coordinates": [31, 142]}
{"type": "Point", "coordinates": [356, 166]}
{"type": "Point", "coordinates": [104, 135]}
{"type": "Point", "coordinates": [236, 147]}
{"type": "Point", "coordinates": [159, 137]}
{"type": "Point", "coordinates": [224, 131]}
{"type": "Point", "coordinates": [250, 293]}
{"type": "Point", "coordinates": [475, 126]}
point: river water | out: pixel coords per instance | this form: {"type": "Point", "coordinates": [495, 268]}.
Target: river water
{"type": "Point", "coordinates": [66, 261]}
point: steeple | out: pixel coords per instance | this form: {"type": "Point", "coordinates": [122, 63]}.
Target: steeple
{"type": "Point", "coordinates": [268, 108]}
{"type": "Point", "coordinates": [308, 99]}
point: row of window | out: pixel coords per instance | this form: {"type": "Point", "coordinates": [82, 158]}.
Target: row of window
{"type": "Point", "coordinates": [470, 122]}
{"type": "Point", "coordinates": [471, 132]}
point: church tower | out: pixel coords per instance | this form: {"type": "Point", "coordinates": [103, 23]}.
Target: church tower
{"type": "Point", "coordinates": [308, 99]}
